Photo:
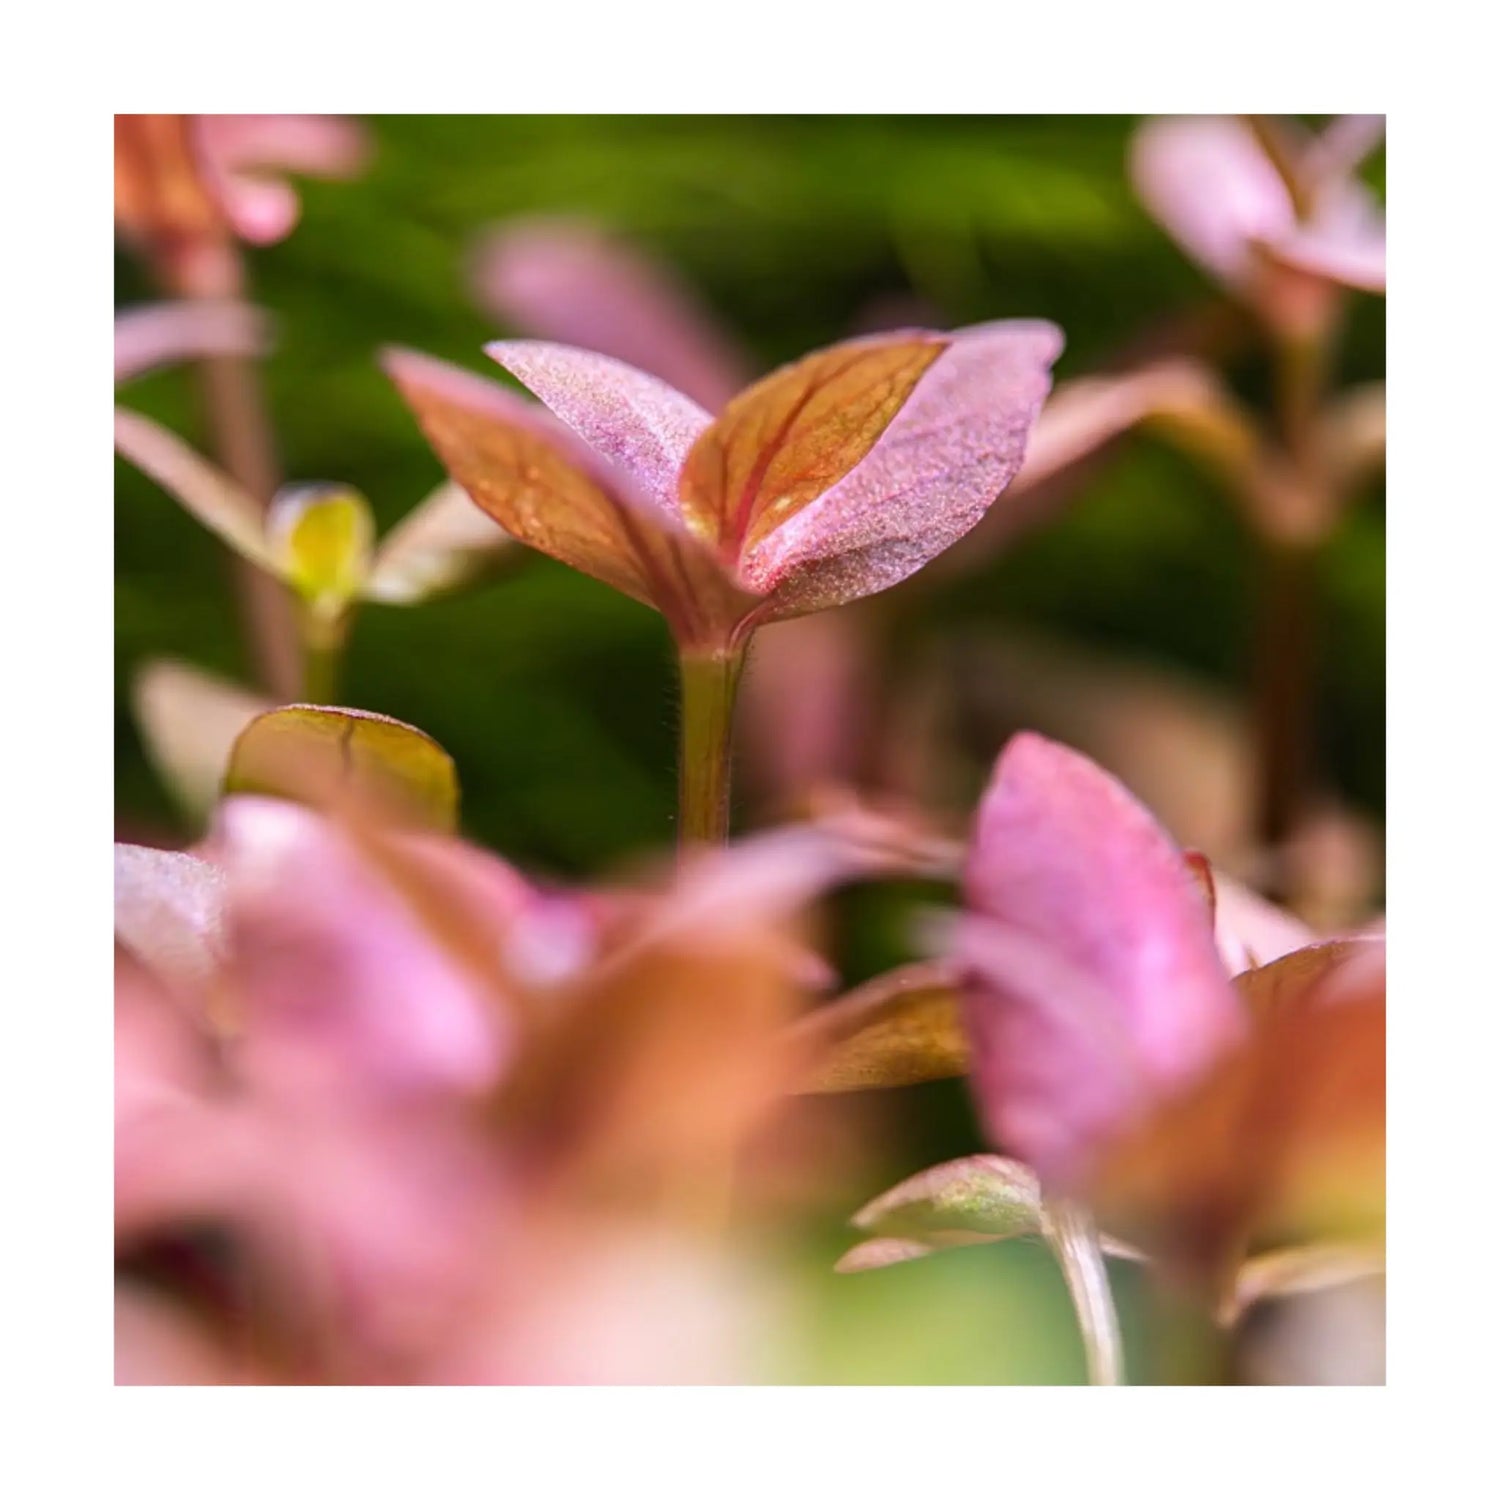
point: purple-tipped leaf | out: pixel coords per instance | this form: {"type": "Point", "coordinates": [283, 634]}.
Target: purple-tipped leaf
{"type": "Point", "coordinates": [986, 1195]}
{"type": "Point", "coordinates": [974, 1200]}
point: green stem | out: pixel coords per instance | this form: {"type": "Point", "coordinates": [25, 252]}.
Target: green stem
{"type": "Point", "coordinates": [1074, 1240]}
{"type": "Point", "coordinates": [322, 655]}
{"type": "Point", "coordinates": [710, 679]}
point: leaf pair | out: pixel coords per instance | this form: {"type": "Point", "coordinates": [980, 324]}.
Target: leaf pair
{"type": "Point", "coordinates": [1112, 1053]}
{"type": "Point", "coordinates": [1278, 216]}
{"type": "Point", "coordinates": [320, 539]}
{"type": "Point", "coordinates": [832, 478]}
{"type": "Point", "coordinates": [1107, 1046]}
{"type": "Point", "coordinates": [979, 1200]}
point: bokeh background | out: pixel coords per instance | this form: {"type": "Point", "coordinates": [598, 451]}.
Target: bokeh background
{"type": "Point", "coordinates": [556, 696]}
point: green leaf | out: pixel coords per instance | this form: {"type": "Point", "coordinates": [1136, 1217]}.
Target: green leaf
{"type": "Point", "coordinates": [343, 757]}
{"type": "Point", "coordinates": [974, 1200]}
{"type": "Point", "coordinates": [323, 536]}
{"type": "Point", "coordinates": [990, 1197]}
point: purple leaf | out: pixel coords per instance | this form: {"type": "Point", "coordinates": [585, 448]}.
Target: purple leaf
{"type": "Point", "coordinates": [1208, 183]}
{"type": "Point", "coordinates": [1095, 981]}
{"type": "Point", "coordinates": [634, 420]}
{"type": "Point", "coordinates": [163, 333]}
{"type": "Point", "coordinates": [345, 973]}
{"type": "Point", "coordinates": [943, 460]}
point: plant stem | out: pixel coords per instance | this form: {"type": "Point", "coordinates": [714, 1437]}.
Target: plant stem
{"type": "Point", "coordinates": [322, 654]}
{"type": "Point", "coordinates": [1074, 1240]}
{"type": "Point", "coordinates": [235, 409]}
{"type": "Point", "coordinates": [710, 679]}
{"type": "Point", "coordinates": [1285, 636]}
{"type": "Point", "coordinates": [1283, 696]}
{"type": "Point", "coordinates": [1271, 132]}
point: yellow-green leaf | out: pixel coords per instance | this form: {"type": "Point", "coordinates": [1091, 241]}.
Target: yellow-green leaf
{"type": "Point", "coordinates": [343, 756]}
{"type": "Point", "coordinates": [323, 537]}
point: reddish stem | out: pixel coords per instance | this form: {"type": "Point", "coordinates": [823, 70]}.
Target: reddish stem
{"type": "Point", "coordinates": [235, 409]}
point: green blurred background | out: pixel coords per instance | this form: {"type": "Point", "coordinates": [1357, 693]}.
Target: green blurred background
{"type": "Point", "coordinates": [556, 696]}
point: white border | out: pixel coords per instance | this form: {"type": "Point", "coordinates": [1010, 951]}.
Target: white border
{"type": "Point", "coordinates": [69, 1432]}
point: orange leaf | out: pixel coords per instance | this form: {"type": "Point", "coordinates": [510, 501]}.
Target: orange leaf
{"type": "Point", "coordinates": [548, 490]}
{"type": "Point", "coordinates": [1283, 1140]}
{"type": "Point", "coordinates": [901, 1028]}
{"type": "Point", "coordinates": [160, 189]}
{"type": "Point", "coordinates": [790, 437]}
{"type": "Point", "coordinates": [632, 1087]}
{"type": "Point", "coordinates": [1275, 987]}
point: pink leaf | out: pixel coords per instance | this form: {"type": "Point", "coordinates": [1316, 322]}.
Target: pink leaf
{"type": "Point", "coordinates": [634, 420]}
{"type": "Point", "coordinates": [1096, 981]}
{"type": "Point", "coordinates": [1213, 188]}
{"type": "Point", "coordinates": [169, 911]}
{"type": "Point", "coordinates": [570, 282]}
{"type": "Point", "coordinates": [345, 973]}
{"type": "Point", "coordinates": [164, 333]}
{"type": "Point", "coordinates": [244, 155]}
{"type": "Point", "coordinates": [944, 459]}
{"type": "Point", "coordinates": [551, 490]}
{"type": "Point", "coordinates": [1209, 184]}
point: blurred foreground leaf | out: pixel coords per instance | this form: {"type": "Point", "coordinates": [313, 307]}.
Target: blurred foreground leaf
{"type": "Point", "coordinates": [331, 756]}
